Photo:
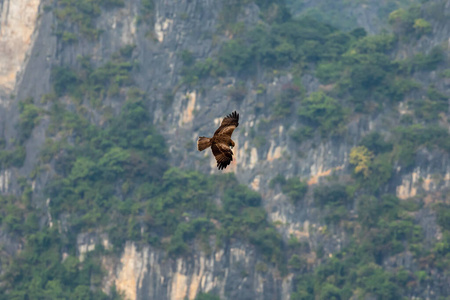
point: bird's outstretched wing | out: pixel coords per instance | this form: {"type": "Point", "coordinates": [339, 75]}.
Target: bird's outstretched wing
{"type": "Point", "coordinates": [229, 123]}
{"type": "Point", "coordinates": [223, 155]}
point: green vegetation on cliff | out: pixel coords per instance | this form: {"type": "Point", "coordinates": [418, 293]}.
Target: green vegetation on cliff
{"type": "Point", "coordinates": [110, 173]}
{"type": "Point", "coordinates": [114, 177]}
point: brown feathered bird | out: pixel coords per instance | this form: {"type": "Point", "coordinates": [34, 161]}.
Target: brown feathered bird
{"type": "Point", "coordinates": [221, 143]}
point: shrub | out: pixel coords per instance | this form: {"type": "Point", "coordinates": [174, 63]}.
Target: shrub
{"type": "Point", "coordinates": [294, 188]}
{"type": "Point", "coordinates": [424, 62]}
{"type": "Point", "coordinates": [375, 143]}
{"type": "Point", "coordinates": [237, 93]}
{"type": "Point", "coordinates": [421, 26]}
{"type": "Point", "coordinates": [412, 137]}
{"type": "Point", "coordinates": [445, 73]}
{"type": "Point", "coordinates": [193, 72]}
{"type": "Point", "coordinates": [428, 109]}
{"type": "Point", "coordinates": [296, 263]}
{"type": "Point", "coordinates": [443, 216]}
{"type": "Point", "coordinates": [95, 84]}
{"type": "Point", "coordinates": [81, 13]}
{"type": "Point", "coordinates": [207, 296]}
{"type": "Point", "coordinates": [401, 87]}
{"type": "Point", "coordinates": [361, 158]}
{"type": "Point", "coordinates": [235, 56]}
{"type": "Point", "coordinates": [378, 282]}
{"type": "Point", "coordinates": [323, 112]}
{"type": "Point", "coordinates": [335, 194]}
{"type": "Point", "coordinates": [284, 102]}
{"type": "Point", "coordinates": [329, 72]}
{"type": "Point", "coordinates": [28, 118]}
{"type": "Point", "coordinates": [12, 158]}
{"type": "Point", "coordinates": [148, 5]}
{"type": "Point", "coordinates": [65, 81]}
{"type": "Point", "coordinates": [373, 44]}
{"type": "Point", "coordinates": [381, 171]}
{"type": "Point", "coordinates": [234, 200]}
{"type": "Point", "coordinates": [301, 134]}
{"type": "Point", "coordinates": [407, 23]}
{"type": "Point", "coordinates": [329, 291]}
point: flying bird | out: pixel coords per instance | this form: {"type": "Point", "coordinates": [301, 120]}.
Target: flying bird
{"type": "Point", "coordinates": [221, 143]}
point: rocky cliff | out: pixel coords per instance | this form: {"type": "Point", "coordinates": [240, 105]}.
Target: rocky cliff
{"type": "Point", "coordinates": [37, 37]}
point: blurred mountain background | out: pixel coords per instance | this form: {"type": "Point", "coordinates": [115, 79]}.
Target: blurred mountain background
{"type": "Point", "coordinates": [340, 186]}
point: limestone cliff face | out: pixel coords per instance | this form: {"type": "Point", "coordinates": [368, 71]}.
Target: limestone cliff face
{"type": "Point", "coordinates": [28, 51]}
{"type": "Point", "coordinates": [148, 273]}
{"type": "Point", "coordinates": [17, 25]}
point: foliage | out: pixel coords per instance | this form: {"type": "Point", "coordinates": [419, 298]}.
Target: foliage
{"type": "Point", "coordinates": [37, 272]}
{"type": "Point", "coordinates": [443, 216]}
{"type": "Point", "coordinates": [381, 171]}
{"type": "Point", "coordinates": [329, 72]}
{"type": "Point", "coordinates": [129, 146]}
{"type": "Point", "coordinates": [424, 62]}
{"type": "Point", "coordinates": [294, 188]}
{"type": "Point", "coordinates": [12, 158]}
{"type": "Point", "coordinates": [288, 41]}
{"type": "Point", "coordinates": [285, 101]}
{"type": "Point", "coordinates": [154, 201]}
{"type": "Point", "coordinates": [64, 81]}
{"type": "Point", "coordinates": [411, 138]}
{"type": "Point", "coordinates": [357, 67]}
{"type": "Point", "coordinates": [430, 107]}
{"type": "Point", "coordinates": [237, 93]}
{"type": "Point", "coordinates": [335, 201]}
{"type": "Point", "coordinates": [270, 11]}
{"type": "Point", "coordinates": [374, 158]}
{"type": "Point", "coordinates": [361, 158]}
{"type": "Point", "coordinates": [14, 155]}
{"type": "Point", "coordinates": [193, 71]}
{"type": "Point", "coordinates": [369, 73]}
{"type": "Point", "coordinates": [114, 177]}
{"type": "Point", "coordinates": [441, 249]}
{"type": "Point", "coordinates": [375, 143]}
{"type": "Point", "coordinates": [407, 22]}
{"type": "Point", "coordinates": [82, 14]}
{"type": "Point", "coordinates": [445, 73]}
{"type": "Point", "coordinates": [357, 268]}
{"type": "Point", "coordinates": [296, 263]}
{"type": "Point", "coordinates": [28, 119]}
{"type": "Point", "coordinates": [324, 112]}
{"type": "Point", "coordinates": [235, 55]}
{"type": "Point", "coordinates": [146, 12]}
{"type": "Point", "coordinates": [341, 13]}
{"type": "Point", "coordinates": [301, 134]}
{"type": "Point", "coordinates": [95, 84]}
{"type": "Point", "coordinates": [207, 296]}
{"type": "Point", "coordinates": [334, 194]}
{"type": "Point", "coordinates": [372, 161]}
{"type": "Point", "coordinates": [421, 26]}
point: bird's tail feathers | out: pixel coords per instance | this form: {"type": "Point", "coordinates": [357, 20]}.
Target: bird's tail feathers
{"type": "Point", "coordinates": [203, 143]}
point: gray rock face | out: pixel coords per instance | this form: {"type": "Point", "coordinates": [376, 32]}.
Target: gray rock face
{"type": "Point", "coordinates": [234, 272]}
{"type": "Point", "coordinates": [147, 273]}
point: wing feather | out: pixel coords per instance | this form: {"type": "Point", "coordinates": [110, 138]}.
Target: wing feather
{"type": "Point", "coordinates": [223, 155]}
{"type": "Point", "coordinates": [229, 123]}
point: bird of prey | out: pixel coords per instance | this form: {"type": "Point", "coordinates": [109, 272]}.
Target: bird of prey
{"type": "Point", "coordinates": [221, 143]}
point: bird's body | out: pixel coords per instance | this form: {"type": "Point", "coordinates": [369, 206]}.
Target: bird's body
{"type": "Point", "coordinates": [221, 143]}
{"type": "Point", "coordinates": [222, 139]}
